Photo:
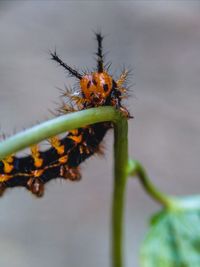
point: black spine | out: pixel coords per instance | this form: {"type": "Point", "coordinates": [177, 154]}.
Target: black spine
{"type": "Point", "coordinates": [99, 53]}
{"type": "Point", "coordinates": [71, 71]}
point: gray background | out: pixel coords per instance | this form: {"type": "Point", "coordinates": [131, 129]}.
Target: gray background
{"type": "Point", "coordinates": [161, 41]}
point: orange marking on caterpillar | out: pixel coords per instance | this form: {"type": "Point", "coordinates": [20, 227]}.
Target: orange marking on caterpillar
{"type": "Point", "coordinates": [37, 173]}
{"type": "Point", "coordinates": [63, 159]}
{"type": "Point", "coordinates": [55, 142]}
{"type": "Point", "coordinates": [74, 132]}
{"type": "Point", "coordinates": [5, 177]}
{"type": "Point", "coordinates": [36, 156]}
{"type": "Point", "coordinates": [77, 139]}
{"type": "Point", "coordinates": [8, 166]}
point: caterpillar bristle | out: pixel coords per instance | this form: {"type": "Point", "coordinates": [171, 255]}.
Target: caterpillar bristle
{"type": "Point", "coordinates": [64, 109]}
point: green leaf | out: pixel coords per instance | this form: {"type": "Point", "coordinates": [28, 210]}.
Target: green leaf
{"type": "Point", "coordinates": [173, 240]}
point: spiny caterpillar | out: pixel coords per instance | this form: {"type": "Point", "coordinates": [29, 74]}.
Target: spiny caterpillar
{"type": "Point", "coordinates": [63, 158]}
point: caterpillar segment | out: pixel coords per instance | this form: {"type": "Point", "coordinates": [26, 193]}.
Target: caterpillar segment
{"type": "Point", "coordinates": [63, 158]}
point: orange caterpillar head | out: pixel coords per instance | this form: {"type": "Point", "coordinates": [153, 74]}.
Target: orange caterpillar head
{"type": "Point", "coordinates": [96, 87]}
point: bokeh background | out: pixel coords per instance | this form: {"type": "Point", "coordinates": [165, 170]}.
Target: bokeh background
{"type": "Point", "coordinates": [70, 225]}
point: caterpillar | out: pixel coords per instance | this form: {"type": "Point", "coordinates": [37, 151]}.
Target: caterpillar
{"type": "Point", "coordinates": [62, 159]}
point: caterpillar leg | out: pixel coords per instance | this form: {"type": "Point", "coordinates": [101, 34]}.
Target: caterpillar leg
{"type": "Point", "coordinates": [2, 188]}
{"type": "Point", "coordinates": [70, 173]}
{"type": "Point", "coordinates": [36, 186]}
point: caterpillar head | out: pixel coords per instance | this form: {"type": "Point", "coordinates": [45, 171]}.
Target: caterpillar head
{"type": "Point", "coordinates": [96, 87]}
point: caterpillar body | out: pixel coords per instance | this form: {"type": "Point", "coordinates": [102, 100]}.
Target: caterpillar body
{"type": "Point", "coordinates": [63, 158]}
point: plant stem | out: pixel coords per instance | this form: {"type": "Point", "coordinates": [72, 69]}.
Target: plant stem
{"type": "Point", "coordinates": [120, 178]}
{"type": "Point", "coordinates": [135, 168]}
{"type": "Point", "coordinates": [56, 126]}
{"type": "Point", "coordinates": [186, 203]}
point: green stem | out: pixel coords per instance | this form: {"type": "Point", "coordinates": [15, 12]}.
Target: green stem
{"type": "Point", "coordinates": [186, 203]}
{"type": "Point", "coordinates": [135, 168]}
{"type": "Point", "coordinates": [56, 126]}
{"type": "Point", "coordinates": [120, 178]}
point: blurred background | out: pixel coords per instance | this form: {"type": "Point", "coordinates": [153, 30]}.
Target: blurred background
{"type": "Point", "coordinates": [160, 40]}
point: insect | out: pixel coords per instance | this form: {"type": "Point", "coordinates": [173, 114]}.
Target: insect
{"type": "Point", "coordinates": [65, 154]}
